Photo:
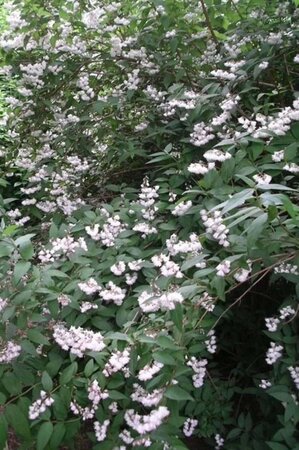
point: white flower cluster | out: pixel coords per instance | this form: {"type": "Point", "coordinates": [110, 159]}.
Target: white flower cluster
{"type": "Point", "coordinates": [145, 229]}
{"type": "Point", "coordinates": [286, 311]}
{"type": "Point", "coordinates": [95, 393]}
{"type": "Point", "coordinates": [211, 342]}
{"type": "Point", "coordinates": [242, 274]}
{"type": "Point", "coordinates": [216, 155]}
{"type": "Point", "coordinates": [151, 302]}
{"type": "Point", "coordinates": [278, 156]}
{"type": "Point", "coordinates": [223, 268]}
{"type": "Point", "coordinates": [199, 369]}
{"type": "Point", "coordinates": [262, 178]}
{"type": "Point", "coordinates": [214, 225]}
{"type": "Point", "coordinates": [113, 293]}
{"type": "Point", "coordinates": [201, 135]}
{"type": "Point", "coordinates": [78, 340]}
{"type": "Point", "coordinates": [294, 372]}
{"type": "Point", "coordinates": [201, 168]}
{"type": "Point", "coordinates": [85, 413]}
{"type": "Point", "coordinates": [223, 75]}
{"type": "Point", "coordinates": [147, 199]}
{"type": "Point", "coordinates": [181, 208]}
{"type": "Point", "coordinates": [101, 430]}
{"type": "Point", "coordinates": [147, 399]}
{"type": "Point", "coordinates": [271, 323]}
{"type": "Point", "coordinates": [9, 351]}
{"type": "Point", "coordinates": [291, 167]}
{"type": "Point", "coordinates": [174, 246]}
{"type": "Point", "coordinates": [206, 301]}
{"type": "Point", "coordinates": [287, 268]}
{"type": "Point", "coordinates": [87, 306]}
{"type": "Point", "coordinates": [111, 230]}
{"type": "Point", "coordinates": [167, 267]}
{"type": "Point", "coordinates": [149, 371]}
{"type": "Point", "coordinates": [146, 423]}
{"type": "Point", "coordinates": [62, 246]}
{"type": "Point", "coordinates": [118, 268]}
{"type": "Point", "coordinates": [40, 405]}
{"type": "Point", "coordinates": [127, 438]}
{"type": "Point", "coordinates": [265, 384]}
{"type": "Point", "coordinates": [189, 426]}
{"type": "Point", "coordinates": [63, 300]}
{"type": "Point", "coordinates": [219, 441]}
{"type": "Point", "coordinates": [90, 286]}
{"type": "Point", "coordinates": [273, 353]}
{"type": "Point", "coordinates": [117, 361]}
{"type": "Point", "coordinates": [93, 232]}
{"type": "Point", "coordinates": [86, 92]}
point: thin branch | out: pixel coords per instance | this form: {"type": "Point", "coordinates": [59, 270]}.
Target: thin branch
{"type": "Point", "coordinates": [208, 22]}
{"type": "Point", "coordinates": [240, 297]}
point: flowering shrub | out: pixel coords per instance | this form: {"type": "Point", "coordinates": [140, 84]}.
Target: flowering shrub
{"type": "Point", "coordinates": [150, 206]}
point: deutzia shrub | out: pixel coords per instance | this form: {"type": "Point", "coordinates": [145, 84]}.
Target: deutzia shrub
{"type": "Point", "coordinates": [149, 224]}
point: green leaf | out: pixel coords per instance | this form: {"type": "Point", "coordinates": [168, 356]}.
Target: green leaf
{"type": "Point", "coordinates": [47, 381]}
{"type": "Point", "coordinates": [27, 251]}
{"type": "Point", "coordinates": [235, 201]}
{"type": "Point", "coordinates": [176, 316]}
{"type": "Point", "coordinates": [282, 396]}
{"type": "Point", "coordinates": [89, 368]}
{"type": "Point", "coordinates": [164, 358]}
{"type": "Point", "coordinates": [255, 229]}
{"type": "Point", "coordinates": [37, 337]}
{"type": "Point", "coordinates": [21, 268]}
{"type": "Point", "coordinates": [3, 432]}
{"type": "Point", "coordinates": [57, 436]}
{"type": "Point", "coordinates": [167, 342]}
{"type": "Point", "coordinates": [18, 421]}
{"type": "Point", "coordinates": [68, 373]}
{"type": "Point", "coordinates": [116, 395]}
{"type": "Point", "coordinates": [44, 434]}
{"type": "Point", "coordinates": [177, 393]}
{"type": "Point", "coordinates": [276, 446]}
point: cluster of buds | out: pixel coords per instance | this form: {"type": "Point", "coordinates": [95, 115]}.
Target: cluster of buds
{"type": "Point", "coordinates": [215, 227]}
{"type": "Point", "coordinates": [40, 405]}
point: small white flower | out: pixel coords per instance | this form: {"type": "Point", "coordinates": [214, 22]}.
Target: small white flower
{"type": "Point", "coordinates": [181, 208]}
{"type": "Point", "coordinates": [118, 268]}
{"type": "Point", "coordinates": [265, 384]}
{"type": "Point", "coordinates": [223, 268]}
{"type": "Point", "coordinates": [216, 155]}
{"type": "Point", "coordinates": [201, 168]}
{"type": "Point", "coordinates": [189, 426]}
{"type": "Point", "coordinates": [273, 353]}
{"type": "Point", "coordinates": [262, 178]}
{"type": "Point", "coordinates": [263, 65]}
{"type": "Point", "coordinates": [271, 323]}
{"type": "Point", "coordinates": [278, 156]}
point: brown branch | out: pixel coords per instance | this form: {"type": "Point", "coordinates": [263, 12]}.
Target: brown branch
{"type": "Point", "coordinates": [208, 22]}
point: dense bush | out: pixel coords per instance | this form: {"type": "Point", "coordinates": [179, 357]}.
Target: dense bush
{"type": "Point", "coordinates": [149, 232]}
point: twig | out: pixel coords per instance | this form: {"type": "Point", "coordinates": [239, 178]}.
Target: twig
{"type": "Point", "coordinates": [240, 297]}
{"type": "Point", "coordinates": [208, 22]}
